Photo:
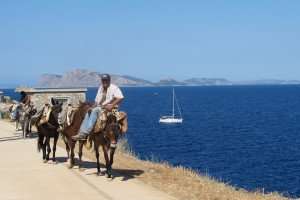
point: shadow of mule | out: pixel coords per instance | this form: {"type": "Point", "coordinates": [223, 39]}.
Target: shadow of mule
{"type": "Point", "coordinates": [12, 138]}
{"type": "Point", "coordinates": [125, 174]}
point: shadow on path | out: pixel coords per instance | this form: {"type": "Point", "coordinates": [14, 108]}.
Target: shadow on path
{"type": "Point", "coordinates": [125, 174]}
{"type": "Point", "coordinates": [12, 138]}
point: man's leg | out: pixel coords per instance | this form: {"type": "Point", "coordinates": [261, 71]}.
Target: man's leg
{"type": "Point", "coordinates": [88, 124]}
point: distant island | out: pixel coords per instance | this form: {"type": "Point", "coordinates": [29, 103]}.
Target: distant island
{"type": "Point", "coordinates": [86, 78]}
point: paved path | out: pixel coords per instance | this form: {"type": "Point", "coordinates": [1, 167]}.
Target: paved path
{"type": "Point", "coordinates": [23, 176]}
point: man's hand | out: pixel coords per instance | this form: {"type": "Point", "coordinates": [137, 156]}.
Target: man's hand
{"type": "Point", "coordinates": [109, 107]}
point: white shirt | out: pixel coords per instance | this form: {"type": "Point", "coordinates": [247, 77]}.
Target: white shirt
{"type": "Point", "coordinates": [113, 92]}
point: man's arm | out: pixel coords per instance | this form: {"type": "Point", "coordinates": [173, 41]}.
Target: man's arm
{"type": "Point", "coordinates": [113, 103]}
{"type": "Point", "coordinates": [116, 101]}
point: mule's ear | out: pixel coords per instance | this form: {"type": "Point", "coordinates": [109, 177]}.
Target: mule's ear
{"type": "Point", "coordinates": [52, 102]}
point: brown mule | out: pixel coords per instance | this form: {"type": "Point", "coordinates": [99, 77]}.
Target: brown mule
{"type": "Point", "coordinates": [107, 138]}
{"type": "Point", "coordinates": [70, 127]}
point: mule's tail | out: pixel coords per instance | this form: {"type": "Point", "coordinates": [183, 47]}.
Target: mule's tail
{"type": "Point", "coordinates": [39, 142]}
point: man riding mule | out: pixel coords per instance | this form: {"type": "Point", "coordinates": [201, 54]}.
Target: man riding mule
{"type": "Point", "coordinates": [101, 122]}
{"type": "Point", "coordinates": [109, 96]}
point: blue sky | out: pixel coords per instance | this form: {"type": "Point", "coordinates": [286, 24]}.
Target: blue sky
{"type": "Point", "coordinates": [238, 40]}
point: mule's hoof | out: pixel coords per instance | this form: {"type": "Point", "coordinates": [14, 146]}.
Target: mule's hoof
{"type": "Point", "coordinates": [70, 166]}
{"type": "Point", "coordinates": [100, 173]}
{"type": "Point", "coordinates": [108, 175]}
{"type": "Point", "coordinates": [45, 161]}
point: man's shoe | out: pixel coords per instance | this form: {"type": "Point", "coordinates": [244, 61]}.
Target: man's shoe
{"type": "Point", "coordinates": [79, 137]}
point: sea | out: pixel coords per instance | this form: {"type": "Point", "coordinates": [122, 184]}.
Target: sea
{"type": "Point", "coordinates": [246, 136]}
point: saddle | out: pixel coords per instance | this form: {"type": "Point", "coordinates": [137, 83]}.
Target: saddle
{"type": "Point", "coordinates": [121, 119]}
{"type": "Point", "coordinates": [45, 116]}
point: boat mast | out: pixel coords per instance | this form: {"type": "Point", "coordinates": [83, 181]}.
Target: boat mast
{"type": "Point", "coordinates": [173, 103]}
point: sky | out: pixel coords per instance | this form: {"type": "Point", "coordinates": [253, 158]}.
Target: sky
{"type": "Point", "coordinates": [237, 40]}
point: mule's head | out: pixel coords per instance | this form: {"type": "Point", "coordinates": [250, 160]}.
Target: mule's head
{"type": "Point", "coordinates": [56, 109]}
{"type": "Point", "coordinates": [112, 130]}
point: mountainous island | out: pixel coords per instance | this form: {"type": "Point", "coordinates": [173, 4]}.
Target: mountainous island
{"type": "Point", "coordinates": [86, 78]}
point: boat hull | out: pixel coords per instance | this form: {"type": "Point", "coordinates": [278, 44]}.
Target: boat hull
{"type": "Point", "coordinates": [171, 121]}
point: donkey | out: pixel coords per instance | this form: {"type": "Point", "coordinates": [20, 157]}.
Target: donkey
{"type": "Point", "coordinates": [48, 130]}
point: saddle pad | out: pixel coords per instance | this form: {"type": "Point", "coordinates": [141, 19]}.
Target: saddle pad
{"type": "Point", "coordinates": [101, 122]}
{"type": "Point", "coordinates": [121, 118]}
{"type": "Point", "coordinates": [123, 121]}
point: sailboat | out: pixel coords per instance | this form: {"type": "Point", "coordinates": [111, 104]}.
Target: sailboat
{"type": "Point", "coordinates": [172, 119]}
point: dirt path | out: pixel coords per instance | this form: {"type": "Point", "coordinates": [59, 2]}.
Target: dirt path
{"type": "Point", "coordinates": [25, 177]}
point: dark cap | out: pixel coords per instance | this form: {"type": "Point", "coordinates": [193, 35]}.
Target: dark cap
{"type": "Point", "coordinates": [105, 77]}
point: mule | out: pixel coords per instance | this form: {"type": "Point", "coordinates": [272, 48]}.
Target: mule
{"type": "Point", "coordinates": [106, 138]}
{"type": "Point", "coordinates": [25, 119]}
{"type": "Point", "coordinates": [16, 112]}
{"type": "Point", "coordinates": [49, 130]}
{"type": "Point", "coordinates": [70, 122]}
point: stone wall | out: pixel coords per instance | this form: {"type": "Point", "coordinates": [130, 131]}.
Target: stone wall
{"type": "Point", "coordinates": [39, 99]}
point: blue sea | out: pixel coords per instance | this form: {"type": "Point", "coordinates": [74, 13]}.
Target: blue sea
{"type": "Point", "coordinates": [247, 136]}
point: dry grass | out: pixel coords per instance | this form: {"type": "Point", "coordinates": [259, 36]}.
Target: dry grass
{"type": "Point", "coordinates": [179, 182]}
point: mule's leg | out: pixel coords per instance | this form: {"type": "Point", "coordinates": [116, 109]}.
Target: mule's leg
{"type": "Point", "coordinates": [48, 148]}
{"type": "Point", "coordinates": [40, 145]}
{"type": "Point", "coordinates": [67, 148]}
{"type": "Point", "coordinates": [80, 153]}
{"type": "Point", "coordinates": [44, 147]}
{"type": "Point", "coordinates": [22, 128]}
{"type": "Point", "coordinates": [113, 147]}
{"type": "Point", "coordinates": [71, 146]}
{"type": "Point", "coordinates": [54, 148]}
{"type": "Point", "coordinates": [25, 127]}
{"type": "Point", "coordinates": [96, 148]}
{"type": "Point", "coordinates": [30, 126]}
{"type": "Point", "coordinates": [105, 153]}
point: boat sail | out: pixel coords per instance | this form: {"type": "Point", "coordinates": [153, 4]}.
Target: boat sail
{"type": "Point", "coordinates": [172, 119]}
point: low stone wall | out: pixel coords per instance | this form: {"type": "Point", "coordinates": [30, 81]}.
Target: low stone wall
{"type": "Point", "coordinates": [39, 99]}
{"type": "Point", "coordinates": [40, 96]}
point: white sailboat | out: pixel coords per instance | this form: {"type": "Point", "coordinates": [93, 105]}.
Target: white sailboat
{"type": "Point", "coordinates": [172, 119]}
